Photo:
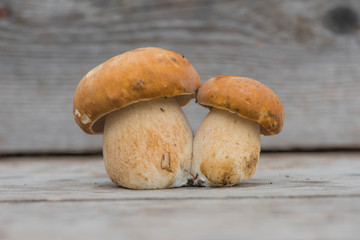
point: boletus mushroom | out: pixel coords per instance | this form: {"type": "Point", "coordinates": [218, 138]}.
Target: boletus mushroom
{"type": "Point", "coordinates": [226, 146]}
{"type": "Point", "coordinates": [135, 99]}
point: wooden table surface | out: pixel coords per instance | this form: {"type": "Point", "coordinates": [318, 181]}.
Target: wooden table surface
{"type": "Point", "coordinates": [291, 196]}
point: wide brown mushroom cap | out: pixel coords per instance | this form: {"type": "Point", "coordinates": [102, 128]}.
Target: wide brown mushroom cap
{"type": "Point", "coordinates": [138, 75]}
{"type": "Point", "coordinates": [246, 97]}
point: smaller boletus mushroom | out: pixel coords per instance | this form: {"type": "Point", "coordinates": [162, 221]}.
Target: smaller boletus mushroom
{"type": "Point", "coordinates": [226, 146]}
{"type": "Point", "coordinates": [135, 99]}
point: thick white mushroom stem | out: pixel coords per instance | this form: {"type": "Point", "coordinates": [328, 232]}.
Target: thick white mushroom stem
{"type": "Point", "coordinates": [148, 145]}
{"type": "Point", "coordinates": [226, 149]}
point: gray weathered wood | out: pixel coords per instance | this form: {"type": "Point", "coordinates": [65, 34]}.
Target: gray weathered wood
{"type": "Point", "coordinates": [84, 178]}
{"type": "Point", "coordinates": [298, 48]}
{"type": "Point", "coordinates": [187, 219]}
{"type": "Point", "coordinates": [300, 196]}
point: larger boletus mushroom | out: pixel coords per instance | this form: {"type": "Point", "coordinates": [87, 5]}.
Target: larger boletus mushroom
{"type": "Point", "coordinates": [226, 146]}
{"type": "Point", "coordinates": [134, 99]}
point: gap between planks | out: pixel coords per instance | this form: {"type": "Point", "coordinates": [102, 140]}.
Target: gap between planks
{"type": "Point", "coordinates": [179, 199]}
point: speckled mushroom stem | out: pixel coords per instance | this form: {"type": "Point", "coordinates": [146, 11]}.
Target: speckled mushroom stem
{"type": "Point", "coordinates": [226, 149]}
{"type": "Point", "coordinates": [148, 145]}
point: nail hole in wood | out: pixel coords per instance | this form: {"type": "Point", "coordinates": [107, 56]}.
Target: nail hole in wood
{"type": "Point", "coordinates": [342, 20]}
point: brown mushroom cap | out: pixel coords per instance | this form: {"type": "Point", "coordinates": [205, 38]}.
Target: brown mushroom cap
{"type": "Point", "coordinates": [246, 97]}
{"type": "Point", "coordinates": [138, 75]}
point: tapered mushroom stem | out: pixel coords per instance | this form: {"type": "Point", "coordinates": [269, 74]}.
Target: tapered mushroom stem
{"type": "Point", "coordinates": [148, 145]}
{"type": "Point", "coordinates": [225, 150]}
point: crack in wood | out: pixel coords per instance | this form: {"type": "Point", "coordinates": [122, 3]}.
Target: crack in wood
{"type": "Point", "coordinates": [181, 198]}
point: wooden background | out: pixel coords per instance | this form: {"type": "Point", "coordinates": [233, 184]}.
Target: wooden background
{"type": "Point", "coordinates": [307, 51]}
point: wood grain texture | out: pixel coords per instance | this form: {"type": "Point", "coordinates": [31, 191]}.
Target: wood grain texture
{"type": "Point", "coordinates": [187, 219]}
{"type": "Point", "coordinates": [303, 50]}
{"type": "Point", "coordinates": [85, 179]}
{"type": "Point", "coordinates": [300, 196]}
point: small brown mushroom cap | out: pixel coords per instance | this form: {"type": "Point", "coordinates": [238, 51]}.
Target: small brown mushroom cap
{"type": "Point", "coordinates": [247, 98]}
{"type": "Point", "coordinates": [138, 75]}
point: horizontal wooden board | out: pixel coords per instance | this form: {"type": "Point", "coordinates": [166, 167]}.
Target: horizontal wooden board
{"type": "Point", "coordinates": [84, 179]}
{"type": "Point", "coordinates": [187, 219]}
{"type": "Point", "coordinates": [304, 50]}
{"type": "Point", "coordinates": [291, 196]}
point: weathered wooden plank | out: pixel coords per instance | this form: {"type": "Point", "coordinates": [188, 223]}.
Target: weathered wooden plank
{"type": "Point", "coordinates": [187, 219]}
{"type": "Point", "coordinates": [307, 51]}
{"type": "Point", "coordinates": [311, 196]}
{"type": "Point", "coordinates": [84, 179]}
